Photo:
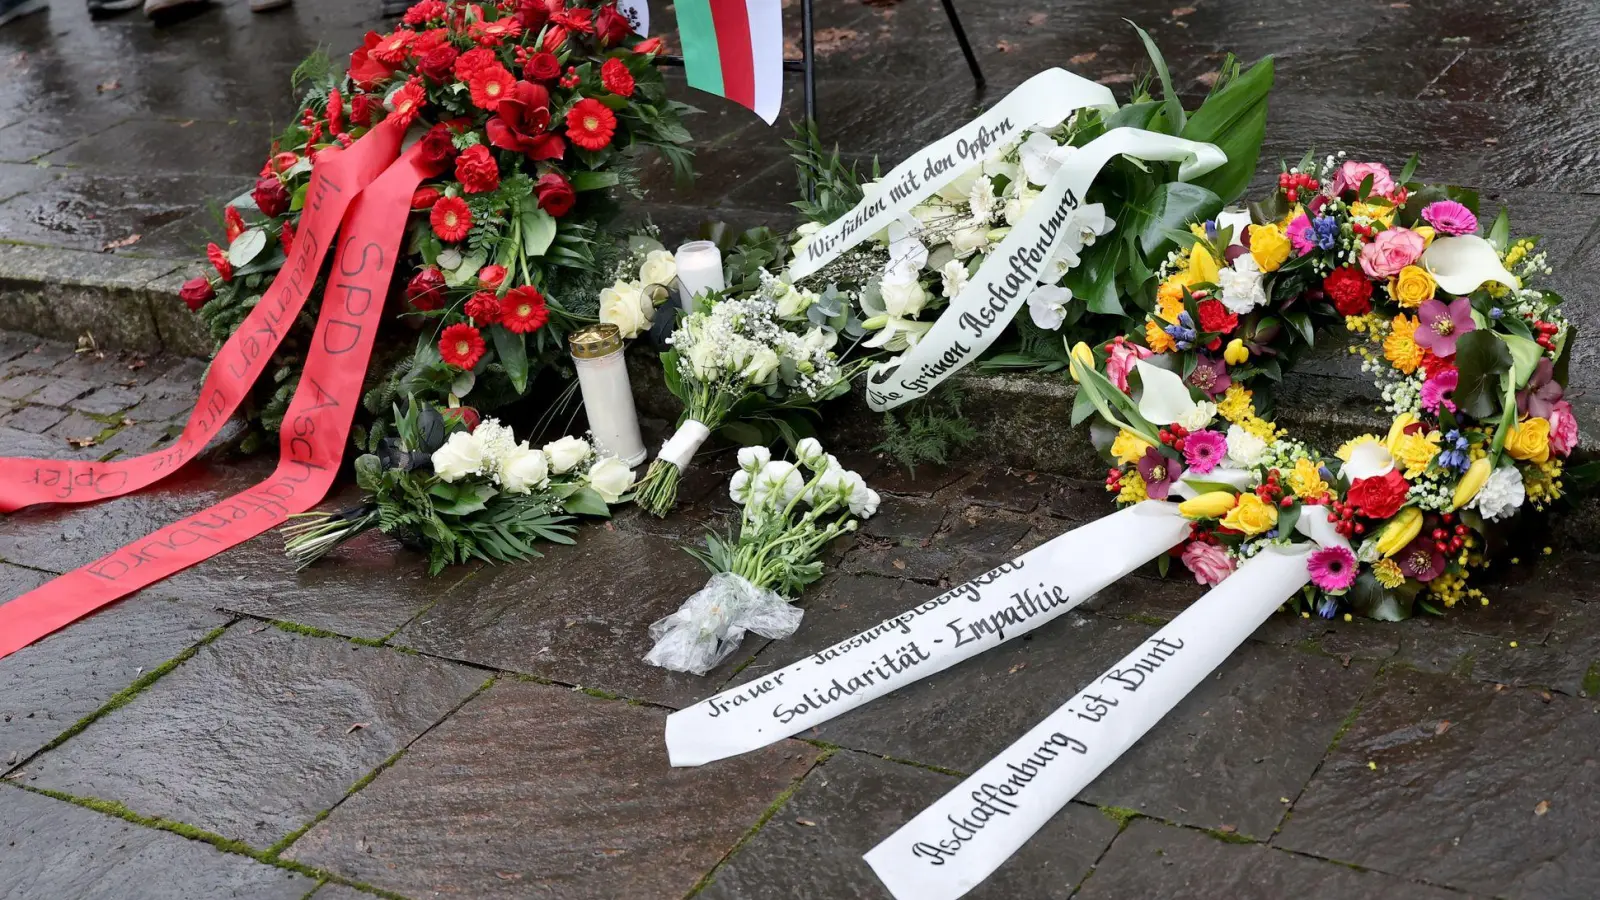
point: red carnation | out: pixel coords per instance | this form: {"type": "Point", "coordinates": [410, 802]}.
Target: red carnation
{"type": "Point", "coordinates": [286, 236]}
{"type": "Point", "coordinates": [468, 63]}
{"type": "Point", "coordinates": [426, 11]}
{"type": "Point", "coordinates": [483, 307]}
{"type": "Point", "coordinates": [196, 292]}
{"type": "Point", "coordinates": [219, 261]}
{"type": "Point", "coordinates": [271, 196]}
{"type": "Point", "coordinates": [555, 194]}
{"type": "Point", "coordinates": [1379, 497]}
{"type": "Point", "coordinates": [590, 124]}
{"type": "Point", "coordinates": [392, 49]}
{"type": "Point", "coordinates": [361, 109]}
{"type": "Point", "coordinates": [461, 345]}
{"type": "Point", "coordinates": [616, 78]}
{"type": "Point", "coordinates": [611, 26]}
{"type": "Point", "coordinates": [365, 70]}
{"type": "Point", "coordinates": [651, 45]}
{"type": "Point", "coordinates": [232, 222]}
{"type": "Point", "coordinates": [425, 197]}
{"type": "Point", "coordinates": [1350, 289]}
{"type": "Point", "coordinates": [437, 149]}
{"type": "Point", "coordinates": [543, 67]}
{"type": "Point", "coordinates": [520, 126]}
{"type": "Point", "coordinates": [438, 64]}
{"type": "Point", "coordinates": [409, 100]}
{"type": "Point", "coordinates": [489, 85]}
{"type": "Point", "coordinates": [476, 170]}
{"type": "Point", "coordinates": [1215, 318]}
{"type": "Point", "coordinates": [492, 276]}
{"type": "Point", "coordinates": [425, 291]}
{"type": "Point", "coordinates": [523, 310]}
{"type": "Point", "coordinates": [450, 218]}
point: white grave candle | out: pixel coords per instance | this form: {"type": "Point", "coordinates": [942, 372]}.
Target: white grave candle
{"type": "Point", "coordinates": [699, 269]}
{"type": "Point", "coordinates": [607, 394]}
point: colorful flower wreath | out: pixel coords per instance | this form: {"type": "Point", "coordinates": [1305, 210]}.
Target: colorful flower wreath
{"type": "Point", "coordinates": [1469, 359]}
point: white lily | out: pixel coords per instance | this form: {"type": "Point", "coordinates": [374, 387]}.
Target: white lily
{"type": "Point", "coordinates": [1369, 459]}
{"type": "Point", "coordinates": [1165, 398]}
{"type": "Point", "coordinates": [1461, 264]}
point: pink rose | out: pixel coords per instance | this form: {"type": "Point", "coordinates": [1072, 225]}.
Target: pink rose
{"type": "Point", "coordinates": [1120, 362]}
{"type": "Point", "coordinates": [1209, 563]}
{"type": "Point", "coordinates": [1351, 174]}
{"type": "Point", "coordinates": [1563, 429]}
{"type": "Point", "coordinates": [1391, 251]}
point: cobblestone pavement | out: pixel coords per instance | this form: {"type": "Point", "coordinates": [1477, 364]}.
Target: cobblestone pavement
{"type": "Point", "coordinates": [358, 729]}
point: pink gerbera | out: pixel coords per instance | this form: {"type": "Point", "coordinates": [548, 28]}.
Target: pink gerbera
{"type": "Point", "coordinates": [1332, 569]}
{"type": "Point", "coordinates": [1301, 236]}
{"type": "Point", "coordinates": [1203, 450]}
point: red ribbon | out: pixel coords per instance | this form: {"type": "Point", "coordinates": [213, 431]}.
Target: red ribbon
{"type": "Point", "coordinates": [314, 432]}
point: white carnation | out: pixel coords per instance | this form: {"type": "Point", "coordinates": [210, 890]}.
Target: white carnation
{"type": "Point", "coordinates": [1241, 285]}
{"type": "Point", "coordinates": [1502, 495]}
{"type": "Point", "coordinates": [1244, 448]}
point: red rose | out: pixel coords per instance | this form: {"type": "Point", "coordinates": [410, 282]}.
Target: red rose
{"type": "Point", "coordinates": [425, 198]}
{"type": "Point", "coordinates": [651, 45]}
{"type": "Point", "coordinates": [450, 218]}
{"type": "Point", "coordinates": [483, 307]}
{"type": "Point", "coordinates": [438, 64]}
{"type": "Point", "coordinates": [491, 277]}
{"type": "Point", "coordinates": [286, 236]}
{"type": "Point", "coordinates": [555, 194]}
{"type": "Point", "coordinates": [468, 63]}
{"type": "Point", "coordinates": [543, 67]}
{"type": "Point", "coordinates": [1215, 318]}
{"type": "Point", "coordinates": [271, 196]}
{"type": "Point", "coordinates": [218, 258]}
{"type": "Point", "coordinates": [195, 292]}
{"type": "Point", "coordinates": [461, 345]}
{"type": "Point", "coordinates": [616, 78]}
{"type": "Point", "coordinates": [361, 109]}
{"type": "Point", "coordinates": [1350, 289]}
{"type": "Point", "coordinates": [465, 416]}
{"type": "Point", "coordinates": [590, 124]}
{"type": "Point", "coordinates": [476, 170]}
{"type": "Point", "coordinates": [283, 162]}
{"type": "Point", "coordinates": [425, 291]}
{"type": "Point", "coordinates": [233, 223]}
{"type": "Point", "coordinates": [437, 149]}
{"type": "Point", "coordinates": [1380, 497]}
{"type": "Point", "coordinates": [553, 39]}
{"type": "Point", "coordinates": [611, 26]}
{"type": "Point", "coordinates": [521, 123]}
{"type": "Point", "coordinates": [365, 70]}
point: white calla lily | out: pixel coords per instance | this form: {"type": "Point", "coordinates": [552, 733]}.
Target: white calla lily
{"type": "Point", "coordinates": [1165, 398]}
{"type": "Point", "coordinates": [1238, 219]}
{"type": "Point", "coordinates": [1462, 264]}
{"type": "Point", "coordinates": [1370, 459]}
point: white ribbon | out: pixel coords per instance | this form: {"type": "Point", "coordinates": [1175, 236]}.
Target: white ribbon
{"type": "Point", "coordinates": [681, 447]}
{"type": "Point", "coordinates": [1010, 600]}
{"type": "Point", "coordinates": [1045, 100]}
{"type": "Point", "coordinates": [953, 845]}
{"type": "Point", "coordinates": [1000, 288]}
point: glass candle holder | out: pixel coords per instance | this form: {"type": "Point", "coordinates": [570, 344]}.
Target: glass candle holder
{"type": "Point", "coordinates": [607, 394]}
{"type": "Point", "coordinates": [699, 270]}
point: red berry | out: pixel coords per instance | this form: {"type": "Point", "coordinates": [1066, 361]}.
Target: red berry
{"type": "Point", "coordinates": [1286, 502]}
{"type": "Point", "coordinates": [1360, 528]}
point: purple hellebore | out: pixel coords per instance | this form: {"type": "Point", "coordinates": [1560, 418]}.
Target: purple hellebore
{"type": "Point", "coordinates": [1542, 393]}
{"type": "Point", "coordinates": [1210, 375]}
{"type": "Point", "coordinates": [1159, 472]}
{"type": "Point", "coordinates": [1442, 324]}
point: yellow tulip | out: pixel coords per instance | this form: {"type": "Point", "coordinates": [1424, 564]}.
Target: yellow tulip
{"type": "Point", "coordinates": [1471, 483]}
{"type": "Point", "coordinates": [1427, 233]}
{"type": "Point", "coordinates": [1236, 353]}
{"type": "Point", "coordinates": [1085, 356]}
{"type": "Point", "coordinates": [1210, 505]}
{"type": "Point", "coordinates": [1400, 531]}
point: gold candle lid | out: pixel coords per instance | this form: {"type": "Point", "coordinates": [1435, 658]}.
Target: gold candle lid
{"type": "Point", "coordinates": [595, 341]}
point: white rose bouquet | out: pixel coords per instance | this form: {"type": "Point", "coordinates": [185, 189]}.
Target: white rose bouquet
{"type": "Point", "coordinates": [461, 492]}
{"type": "Point", "coordinates": [742, 361]}
{"type": "Point", "coordinates": [789, 512]}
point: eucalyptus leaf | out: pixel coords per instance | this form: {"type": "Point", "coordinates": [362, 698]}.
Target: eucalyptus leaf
{"type": "Point", "coordinates": [246, 247]}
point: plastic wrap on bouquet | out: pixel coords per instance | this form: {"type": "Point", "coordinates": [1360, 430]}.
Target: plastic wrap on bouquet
{"type": "Point", "coordinates": [711, 624]}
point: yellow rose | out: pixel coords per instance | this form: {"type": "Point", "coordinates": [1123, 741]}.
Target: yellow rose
{"type": "Point", "coordinates": [1306, 481]}
{"type": "Point", "coordinates": [1129, 448]}
{"type": "Point", "coordinates": [1210, 505]}
{"type": "Point", "coordinates": [1251, 515]}
{"type": "Point", "coordinates": [1400, 531]}
{"type": "Point", "coordinates": [1269, 246]}
{"type": "Point", "coordinates": [1471, 483]}
{"type": "Point", "coordinates": [1529, 440]}
{"type": "Point", "coordinates": [1236, 353]}
{"type": "Point", "coordinates": [1412, 286]}
{"type": "Point", "coordinates": [1085, 356]}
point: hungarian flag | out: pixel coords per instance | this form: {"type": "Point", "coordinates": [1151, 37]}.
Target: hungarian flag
{"type": "Point", "coordinates": [734, 49]}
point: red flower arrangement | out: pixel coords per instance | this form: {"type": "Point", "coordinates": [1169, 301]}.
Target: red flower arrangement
{"type": "Point", "coordinates": [461, 345]}
{"type": "Point", "coordinates": [590, 124]}
{"type": "Point", "coordinates": [523, 310]}
{"type": "Point", "coordinates": [451, 219]}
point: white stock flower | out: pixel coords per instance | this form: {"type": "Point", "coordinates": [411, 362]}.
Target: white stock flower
{"type": "Point", "coordinates": [524, 469]}
{"type": "Point", "coordinates": [625, 306]}
{"type": "Point", "coordinates": [610, 478]}
{"type": "Point", "coordinates": [1241, 285]}
{"type": "Point", "coordinates": [752, 459]}
{"type": "Point", "coordinates": [660, 267]}
{"type": "Point", "coordinates": [953, 278]}
{"type": "Point", "coordinates": [810, 454]}
{"type": "Point", "coordinates": [1199, 417]}
{"type": "Point", "coordinates": [566, 453]}
{"type": "Point", "coordinates": [1244, 448]}
{"type": "Point", "coordinates": [1047, 306]}
{"type": "Point", "coordinates": [461, 455]}
{"type": "Point", "coordinates": [1502, 495]}
{"type": "Point", "coordinates": [902, 292]}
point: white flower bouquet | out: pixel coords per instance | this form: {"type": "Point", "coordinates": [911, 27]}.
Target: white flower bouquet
{"type": "Point", "coordinates": [750, 361]}
{"type": "Point", "coordinates": [789, 512]}
{"type": "Point", "coordinates": [461, 492]}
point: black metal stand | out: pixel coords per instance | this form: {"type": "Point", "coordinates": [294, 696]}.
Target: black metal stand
{"type": "Point", "coordinates": [807, 63]}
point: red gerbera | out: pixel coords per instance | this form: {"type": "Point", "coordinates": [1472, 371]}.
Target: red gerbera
{"type": "Point", "coordinates": [394, 48]}
{"type": "Point", "coordinates": [590, 124]}
{"type": "Point", "coordinates": [233, 223]}
{"type": "Point", "coordinates": [425, 197]}
{"type": "Point", "coordinates": [523, 310]}
{"type": "Point", "coordinates": [483, 307]}
{"type": "Point", "coordinates": [577, 18]}
{"type": "Point", "coordinates": [409, 100]}
{"type": "Point", "coordinates": [489, 85]}
{"type": "Point", "coordinates": [492, 34]}
{"type": "Point", "coordinates": [1215, 318]}
{"type": "Point", "coordinates": [219, 261]}
{"type": "Point", "coordinates": [476, 170]}
{"type": "Point", "coordinates": [468, 63]}
{"type": "Point", "coordinates": [450, 218]}
{"type": "Point", "coordinates": [427, 41]}
{"type": "Point", "coordinates": [461, 345]}
{"type": "Point", "coordinates": [616, 78]}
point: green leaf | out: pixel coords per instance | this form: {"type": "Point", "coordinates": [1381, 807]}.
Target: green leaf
{"type": "Point", "coordinates": [1302, 325]}
{"type": "Point", "coordinates": [1287, 519]}
{"type": "Point", "coordinates": [1481, 357]}
{"type": "Point", "coordinates": [586, 502]}
{"type": "Point", "coordinates": [1134, 115]}
{"type": "Point", "coordinates": [1082, 407]}
{"type": "Point", "coordinates": [1094, 280]}
{"type": "Point", "coordinates": [594, 181]}
{"type": "Point", "coordinates": [1370, 599]}
{"type": "Point", "coordinates": [1409, 169]}
{"type": "Point", "coordinates": [538, 230]}
{"type": "Point", "coordinates": [1235, 119]}
{"type": "Point", "coordinates": [1500, 231]}
{"type": "Point", "coordinates": [1170, 208]}
{"type": "Point", "coordinates": [1173, 104]}
{"type": "Point", "coordinates": [512, 351]}
{"type": "Point", "coordinates": [246, 247]}
{"type": "Point", "coordinates": [1525, 355]}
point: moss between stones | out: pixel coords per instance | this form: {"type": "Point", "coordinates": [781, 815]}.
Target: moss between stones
{"type": "Point", "coordinates": [1591, 680]}
{"type": "Point", "coordinates": [1121, 815]}
{"type": "Point", "coordinates": [766, 816]}
{"type": "Point", "coordinates": [308, 631]}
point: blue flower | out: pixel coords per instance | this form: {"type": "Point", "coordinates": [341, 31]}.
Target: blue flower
{"type": "Point", "coordinates": [1327, 606]}
{"type": "Point", "coordinates": [1496, 312]}
{"type": "Point", "coordinates": [1326, 231]}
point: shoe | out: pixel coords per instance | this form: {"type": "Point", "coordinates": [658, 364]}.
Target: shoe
{"type": "Point", "coordinates": [101, 8]}
{"type": "Point", "coordinates": [167, 10]}
{"type": "Point", "coordinates": [258, 6]}
{"type": "Point", "coordinates": [391, 8]}
{"type": "Point", "coordinates": [16, 9]}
